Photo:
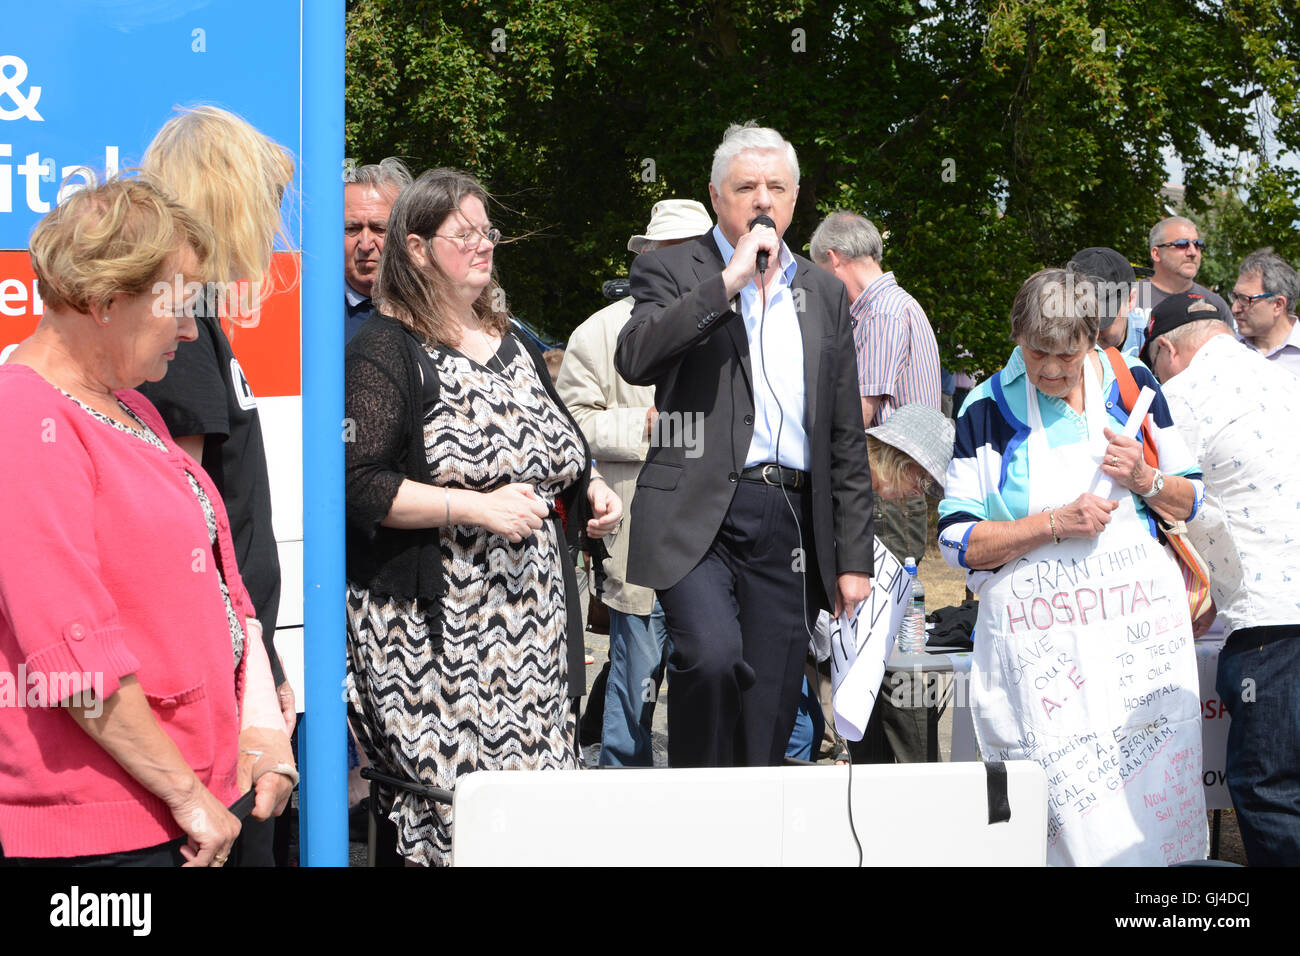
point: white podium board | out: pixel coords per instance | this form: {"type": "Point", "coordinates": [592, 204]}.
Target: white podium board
{"type": "Point", "coordinates": [904, 814]}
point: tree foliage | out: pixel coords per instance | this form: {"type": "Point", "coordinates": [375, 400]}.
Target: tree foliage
{"type": "Point", "coordinates": [987, 138]}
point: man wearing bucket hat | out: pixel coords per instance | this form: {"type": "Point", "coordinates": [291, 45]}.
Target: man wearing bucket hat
{"type": "Point", "coordinates": [619, 420]}
{"type": "Point", "coordinates": [1236, 412]}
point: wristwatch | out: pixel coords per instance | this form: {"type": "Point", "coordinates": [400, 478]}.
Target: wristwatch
{"type": "Point", "coordinates": [1157, 484]}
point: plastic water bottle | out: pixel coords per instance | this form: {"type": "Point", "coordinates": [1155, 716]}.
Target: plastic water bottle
{"type": "Point", "coordinates": [913, 629]}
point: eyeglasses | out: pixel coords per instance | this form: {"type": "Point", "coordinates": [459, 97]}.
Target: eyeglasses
{"type": "Point", "coordinates": [1247, 301]}
{"type": "Point", "coordinates": [471, 240]}
{"type": "Point", "coordinates": [1182, 244]}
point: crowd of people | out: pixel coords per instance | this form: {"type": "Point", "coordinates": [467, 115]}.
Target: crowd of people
{"type": "Point", "coordinates": [725, 443]}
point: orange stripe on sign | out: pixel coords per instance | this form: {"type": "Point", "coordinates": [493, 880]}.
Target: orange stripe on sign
{"type": "Point", "coordinates": [270, 353]}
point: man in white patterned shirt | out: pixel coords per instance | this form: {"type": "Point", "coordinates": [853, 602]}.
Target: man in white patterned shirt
{"type": "Point", "coordinates": [1236, 412]}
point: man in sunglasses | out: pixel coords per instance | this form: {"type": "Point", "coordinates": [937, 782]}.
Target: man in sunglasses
{"type": "Point", "coordinates": [1263, 303]}
{"type": "Point", "coordinates": [1176, 249]}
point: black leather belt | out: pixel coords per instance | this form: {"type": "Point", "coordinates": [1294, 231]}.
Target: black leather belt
{"type": "Point", "coordinates": [773, 474]}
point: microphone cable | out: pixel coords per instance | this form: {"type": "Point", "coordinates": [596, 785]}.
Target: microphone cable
{"type": "Point", "coordinates": [803, 552]}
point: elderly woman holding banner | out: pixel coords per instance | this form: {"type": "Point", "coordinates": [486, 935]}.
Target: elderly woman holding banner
{"type": "Point", "coordinates": [1083, 655]}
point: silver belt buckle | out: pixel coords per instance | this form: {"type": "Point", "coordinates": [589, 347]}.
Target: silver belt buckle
{"type": "Point", "coordinates": [766, 468]}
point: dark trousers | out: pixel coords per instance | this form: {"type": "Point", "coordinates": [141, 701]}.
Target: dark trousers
{"type": "Point", "coordinates": [164, 854]}
{"type": "Point", "coordinates": [1259, 681]}
{"type": "Point", "coordinates": [242, 853]}
{"type": "Point", "coordinates": [739, 625]}
{"type": "Point", "coordinates": [903, 734]}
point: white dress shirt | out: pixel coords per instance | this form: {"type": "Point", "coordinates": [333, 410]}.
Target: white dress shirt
{"type": "Point", "coordinates": [775, 363]}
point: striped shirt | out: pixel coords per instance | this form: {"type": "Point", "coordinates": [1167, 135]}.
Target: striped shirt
{"type": "Point", "coordinates": [898, 357]}
{"type": "Point", "coordinates": [988, 479]}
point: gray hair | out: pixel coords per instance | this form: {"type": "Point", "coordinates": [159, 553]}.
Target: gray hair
{"type": "Point", "coordinates": [1193, 333]}
{"type": "Point", "coordinates": [1275, 274]}
{"type": "Point", "coordinates": [740, 137]}
{"type": "Point", "coordinates": [851, 235]}
{"type": "Point", "coordinates": [1054, 310]}
{"type": "Point", "coordinates": [388, 175]}
{"type": "Point", "coordinates": [1158, 230]}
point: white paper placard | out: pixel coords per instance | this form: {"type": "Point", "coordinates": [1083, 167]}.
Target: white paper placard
{"type": "Point", "coordinates": [861, 643]}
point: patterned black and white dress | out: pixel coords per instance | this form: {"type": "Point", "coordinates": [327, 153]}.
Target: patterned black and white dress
{"type": "Point", "coordinates": [480, 683]}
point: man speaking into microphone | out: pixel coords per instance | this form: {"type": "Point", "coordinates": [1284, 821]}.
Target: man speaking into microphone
{"type": "Point", "coordinates": [753, 527]}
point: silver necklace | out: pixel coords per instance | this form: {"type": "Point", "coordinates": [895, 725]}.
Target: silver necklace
{"type": "Point", "coordinates": [492, 353]}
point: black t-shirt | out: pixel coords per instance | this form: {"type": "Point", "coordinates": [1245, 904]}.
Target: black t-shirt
{"type": "Point", "coordinates": [205, 393]}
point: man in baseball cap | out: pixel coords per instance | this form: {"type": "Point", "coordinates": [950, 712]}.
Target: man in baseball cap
{"type": "Point", "coordinates": [1236, 411]}
{"type": "Point", "coordinates": [1116, 290]}
{"type": "Point", "coordinates": [1174, 311]}
{"type": "Point", "coordinates": [619, 420]}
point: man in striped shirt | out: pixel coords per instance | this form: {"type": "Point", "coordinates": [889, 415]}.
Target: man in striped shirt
{"type": "Point", "coordinates": [898, 364]}
{"type": "Point", "coordinates": [898, 357]}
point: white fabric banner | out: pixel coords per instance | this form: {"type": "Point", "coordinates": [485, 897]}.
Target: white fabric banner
{"type": "Point", "coordinates": [862, 641]}
{"type": "Point", "coordinates": [1083, 662]}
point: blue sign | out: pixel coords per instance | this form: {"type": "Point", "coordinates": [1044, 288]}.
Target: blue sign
{"type": "Point", "coordinates": [85, 85]}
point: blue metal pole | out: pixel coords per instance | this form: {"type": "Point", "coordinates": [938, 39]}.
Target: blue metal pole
{"type": "Point", "coordinates": [323, 797]}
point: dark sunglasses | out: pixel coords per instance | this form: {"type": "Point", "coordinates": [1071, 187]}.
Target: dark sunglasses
{"type": "Point", "coordinates": [1182, 244]}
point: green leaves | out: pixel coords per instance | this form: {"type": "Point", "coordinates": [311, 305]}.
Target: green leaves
{"type": "Point", "coordinates": [987, 138]}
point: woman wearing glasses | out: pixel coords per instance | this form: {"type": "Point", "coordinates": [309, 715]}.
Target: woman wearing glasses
{"type": "Point", "coordinates": [465, 641]}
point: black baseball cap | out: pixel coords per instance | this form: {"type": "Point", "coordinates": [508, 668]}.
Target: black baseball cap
{"type": "Point", "coordinates": [1102, 262]}
{"type": "Point", "coordinates": [1105, 265]}
{"type": "Point", "coordinates": [1175, 310]}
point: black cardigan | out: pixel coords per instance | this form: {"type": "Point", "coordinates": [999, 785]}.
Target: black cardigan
{"type": "Point", "coordinates": [384, 445]}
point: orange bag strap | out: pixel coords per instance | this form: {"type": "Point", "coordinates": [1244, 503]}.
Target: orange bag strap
{"type": "Point", "coordinates": [1128, 395]}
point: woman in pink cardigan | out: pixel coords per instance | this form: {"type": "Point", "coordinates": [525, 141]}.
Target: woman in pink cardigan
{"type": "Point", "coordinates": [136, 699]}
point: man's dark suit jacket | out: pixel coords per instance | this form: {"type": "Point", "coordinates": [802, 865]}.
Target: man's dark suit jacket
{"type": "Point", "coordinates": [684, 339]}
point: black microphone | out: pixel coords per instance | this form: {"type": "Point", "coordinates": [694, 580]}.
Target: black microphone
{"type": "Point", "coordinates": [760, 259]}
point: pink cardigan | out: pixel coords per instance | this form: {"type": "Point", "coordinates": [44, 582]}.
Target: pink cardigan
{"type": "Point", "coordinates": [105, 570]}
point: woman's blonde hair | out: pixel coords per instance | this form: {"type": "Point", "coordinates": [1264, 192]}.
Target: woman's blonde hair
{"type": "Point", "coordinates": [111, 238]}
{"type": "Point", "coordinates": [234, 177]}
{"type": "Point", "coordinates": [892, 469]}
{"type": "Point", "coordinates": [421, 298]}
